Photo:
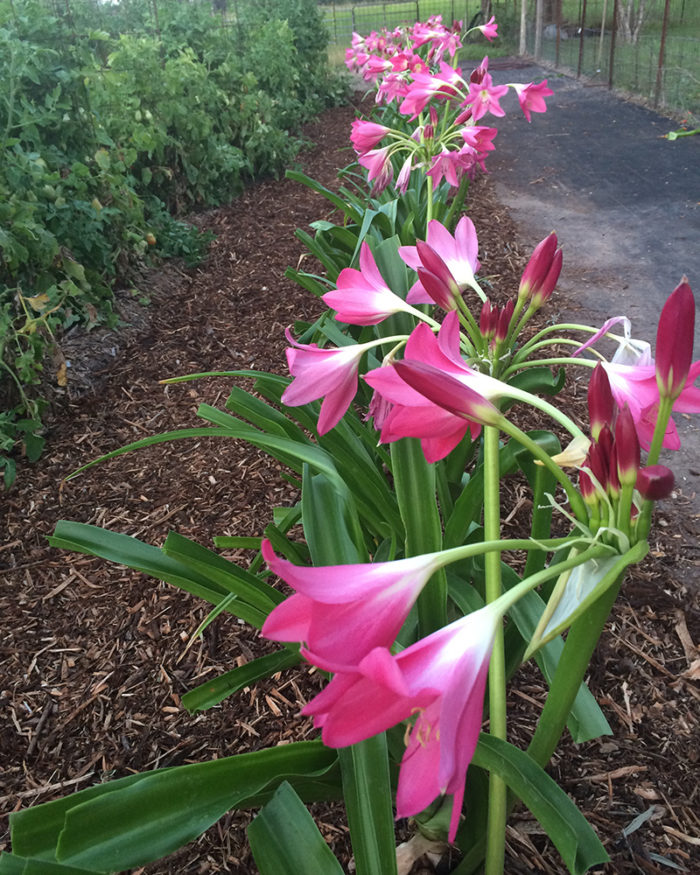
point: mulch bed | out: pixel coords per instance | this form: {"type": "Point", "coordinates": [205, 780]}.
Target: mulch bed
{"type": "Point", "coordinates": [94, 657]}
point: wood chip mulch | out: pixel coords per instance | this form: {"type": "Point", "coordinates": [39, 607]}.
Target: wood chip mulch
{"type": "Point", "coordinates": [94, 658]}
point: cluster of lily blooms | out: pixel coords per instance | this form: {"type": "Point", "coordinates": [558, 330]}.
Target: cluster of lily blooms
{"type": "Point", "coordinates": [348, 616]}
{"type": "Point", "coordinates": [448, 146]}
{"type": "Point", "coordinates": [440, 383]}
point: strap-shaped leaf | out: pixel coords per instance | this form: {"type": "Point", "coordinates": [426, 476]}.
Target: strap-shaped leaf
{"type": "Point", "coordinates": [12, 865]}
{"type": "Point", "coordinates": [331, 527]}
{"type": "Point", "coordinates": [348, 209]}
{"type": "Point", "coordinates": [262, 415]}
{"type": "Point", "coordinates": [367, 793]}
{"type": "Point", "coordinates": [230, 576]}
{"type": "Point", "coordinates": [166, 437]}
{"type": "Point", "coordinates": [574, 838]}
{"type": "Point", "coordinates": [285, 840]}
{"type": "Point", "coordinates": [414, 481]}
{"type": "Point", "coordinates": [286, 450]}
{"type": "Point", "coordinates": [219, 688]}
{"type": "Point", "coordinates": [133, 821]}
{"type": "Point", "coordinates": [129, 551]}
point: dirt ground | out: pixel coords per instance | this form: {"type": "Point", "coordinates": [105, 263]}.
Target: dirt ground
{"type": "Point", "coordinates": [94, 657]}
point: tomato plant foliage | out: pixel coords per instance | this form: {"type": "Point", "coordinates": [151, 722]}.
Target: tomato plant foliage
{"type": "Point", "coordinates": [114, 121]}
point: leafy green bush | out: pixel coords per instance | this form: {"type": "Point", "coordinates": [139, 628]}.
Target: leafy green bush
{"type": "Point", "coordinates": [105, 134]}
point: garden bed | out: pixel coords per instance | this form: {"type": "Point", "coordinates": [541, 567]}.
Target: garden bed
{"type": "Point", "coordinates": [95, 658]}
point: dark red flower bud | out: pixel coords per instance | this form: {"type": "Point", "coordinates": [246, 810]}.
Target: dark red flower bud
{"type": "Point", "coordinates": [588, 490]}
{"type": "Point", "coordinates": [655, 482]}
{"type": "Point", "coordinates": [674, 341]}
{"type": "Point", "coordinates": [504, 321]}
{"type": "Point", "coordinates": [601, 404]}
{"type": "Point", "coordinates": [542, 271]}
{"type": "Point", "coordinates": [438, 290]}
{"type": "Point", "coordinates": [626, 447]}
{"type": "Point", "coordinates": [599, 464]}
{"type": "Point", "coordinates": [485, 320]}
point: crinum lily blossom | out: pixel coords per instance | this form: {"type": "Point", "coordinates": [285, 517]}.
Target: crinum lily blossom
{"type": "Point", "coordinates": [458, 254]}
{"type": "Point", "coordinates": [330, 374]}
{"type": "Point", "coordinates": [441, 679]}
{"type": "Point", "coordinates": [635, 377]}
{"type": "Point", "coordinates": [362, 297]}
{"type": "Point", "coordinates": [342, 612]}
{"type": "Point", "coordinates": [415, 414]}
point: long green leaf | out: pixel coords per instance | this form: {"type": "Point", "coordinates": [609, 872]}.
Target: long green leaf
{"type": "Point", "coordinates": [414, 481]}
{"type": "Point", "coordinates": [285, 449]}
{"type": "Point", "coordinates": [579, 846]}
{"type": "Point", "coordinates": [263, 416]}
{"type": "Point", "coordinates": [217, 689]}
{"type": "Point", "coordinates": [229, 575]}
{"type": "Point", "coordinates": [13, 865]}
{"type": "Point", "coordinates": [331, 526]}
{"type": "Point", "coordinates": [365, 766]}
{"type": "Point", "coordinates": [367, 794]}
{"type": "Point", "coordinates": [166, 437]}
{"type": "Point", "coordinates": [351, 212]}
{"type": "Point", "coordinates": [285, 840]}
{"type": "Point", "coordinates": [125, 550]}
{"type": "Point", "coordinates": [119, 827]}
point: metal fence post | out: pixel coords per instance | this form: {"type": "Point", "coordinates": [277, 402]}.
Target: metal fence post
{"type": "Point", "coordinates": [662, 48]}
{"type": "Point", "coordinates": [581, 38]}
{"type": "Point", "coordinates": [612, 46]}
{"type": "Point", "coordinates": [539, 11]}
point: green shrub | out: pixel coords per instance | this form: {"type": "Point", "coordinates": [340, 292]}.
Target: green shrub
{"type": "Point", "coordinates": [104, 134]}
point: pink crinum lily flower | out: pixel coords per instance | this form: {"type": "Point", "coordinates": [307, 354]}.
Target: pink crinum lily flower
{"type": "Point", "coordinates": [458, 254]}
{"type": "Point", "coordinates": [634, 375]}
{"type": "Point", "coordinates": [441, 679]}
{"type": "Point", "coordinates": [446, 85]}
{"type": "Point", "coordinates": [490, 29]}
{"type": "Point", "coordinates": [342, 612]}
{"type": "Point", "coordinates": [366, 135]}
{"type": "Point", "coordinates": [330, 374]}
{"type": "Point", "coordinates": [414, 413]}
{"type": "Point", "coordinates": [362, 297]}
{"type": "Point", "coordinates": [379, 167]}
{"type": "Point", "coordinates": [531, 97]}
{"type": "Point", "coordinates": [485, 97]}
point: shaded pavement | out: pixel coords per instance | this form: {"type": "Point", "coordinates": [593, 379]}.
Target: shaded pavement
{"type": "Point", "coordinates": [624, 201]}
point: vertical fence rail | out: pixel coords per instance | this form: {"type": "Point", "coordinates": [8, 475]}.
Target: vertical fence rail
{"type": "Point", "coordinates": [660, 65]}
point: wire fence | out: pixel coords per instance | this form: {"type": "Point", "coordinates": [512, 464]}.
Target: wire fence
{"type": "Point", "coordinates": [650, 49]}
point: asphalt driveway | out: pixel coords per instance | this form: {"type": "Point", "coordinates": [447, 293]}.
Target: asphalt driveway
{"type": "Point", "coordinates": [624, 201]}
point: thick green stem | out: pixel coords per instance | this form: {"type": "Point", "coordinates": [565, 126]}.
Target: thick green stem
{"type": "Point", "coordinates": [429, 203]}
{"type": "Point", "coordinates": [662, 418]}
{"type": "Point", "coordinates": [414, 482]}
{"type": "Point", "coordinates": [539, 403]}
{"type": "Point", "coordinates": [498, 791]}
{"type": "Point", "coordinates": [538, 363]}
